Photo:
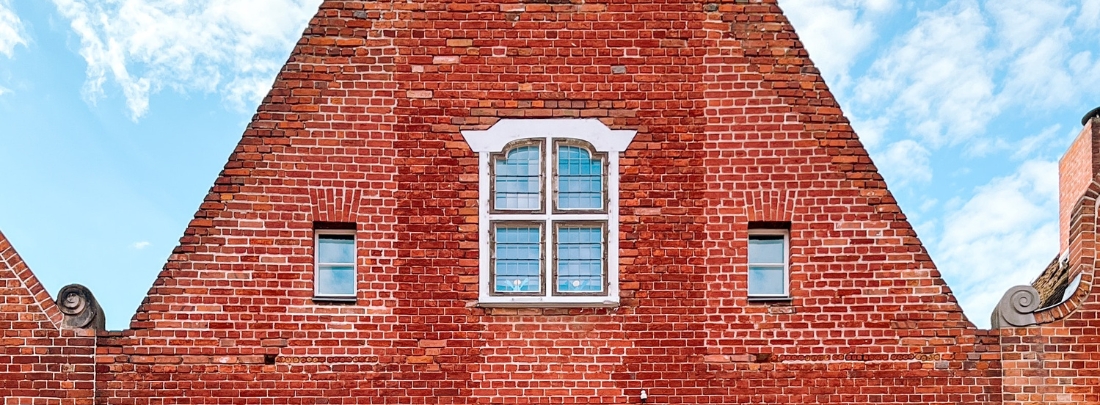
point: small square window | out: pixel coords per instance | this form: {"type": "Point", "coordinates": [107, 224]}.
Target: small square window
{"type": "Point", "coordinates": [768, 269]}
{"type": "Point", "coordinates": [334, 273]}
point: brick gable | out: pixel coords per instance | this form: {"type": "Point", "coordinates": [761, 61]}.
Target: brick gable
{"type": "Point", "coordinates": [39, 363]}
{"type": "Point", "coordinates": [734, 126]}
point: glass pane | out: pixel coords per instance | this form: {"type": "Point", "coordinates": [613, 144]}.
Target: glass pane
{"type": "Point", "coordinates": [580, 179]}
{"type": "Point", "coordinates": [517, 180]}
{"type": "Point", "coordinates": [518, 259]}
{"type": "Point", "coordinates": [580, 259]}
{"type": "Point", "coordinates": [336, 280]}
{"type": "Point", "coordinates": [766, 249]}
{"type": "Point", "coordinates": [336, 249]}
{"type": "Point", "coordinates": [767, 280]}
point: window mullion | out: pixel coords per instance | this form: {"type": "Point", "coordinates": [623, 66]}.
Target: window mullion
{"type": "Point", "coordinates": [550, 174]}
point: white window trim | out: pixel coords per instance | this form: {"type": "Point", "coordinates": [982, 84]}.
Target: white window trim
{"type": "Point", "coordinates": [317, 234]}
{"type": "Point", "coordinates": [786, 263]}
{"type": "Point", "coordinates": [603, 140]}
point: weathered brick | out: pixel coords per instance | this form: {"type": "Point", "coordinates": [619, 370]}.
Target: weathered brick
{"type": "Point", "coordinates": [735, 127]}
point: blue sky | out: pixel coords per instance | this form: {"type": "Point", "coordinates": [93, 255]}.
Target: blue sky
{"type": "Point", "coordinates": [117, 115]}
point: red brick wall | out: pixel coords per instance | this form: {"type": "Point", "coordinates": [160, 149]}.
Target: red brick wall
{"type": "Point", "coordinates": [1076, 171]}
{"type": "Point", "coordinates": [734, 125]}
{"type": "Point", "coordinates": [39, 364]}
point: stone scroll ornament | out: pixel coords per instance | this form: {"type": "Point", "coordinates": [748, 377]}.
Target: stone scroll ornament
{"type": "Point", "coordinates": [1017, 308]}
{"type": "Point", "coordinates": [80, 308]}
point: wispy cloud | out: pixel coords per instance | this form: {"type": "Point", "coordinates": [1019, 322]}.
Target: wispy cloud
{"type": "Point", "coordinates": [1003, 236]}
{"type": "Point", "coordinates": [967, 63]}
{"type": "Point", "coordinates": [233, 47]}
{"type": "Point", "coordinates": [1089, 17]}
{"type": "Point", "coordinates": [836, 33]}
{"type": "Point", "coordinates": [908, 163]}
{"type": "Point", "coordinates": [12, 33]}
{"type": "Point", "coordinates": [938, 77]}
{"type": "Point", "coordinates": [1041, 69]}
{"type": "Point", "coordinates": [1041, 142]}
{"type": "Point", "coordinates": [140, 245]}
{"type": "Point", "coordinates": [11, 30]}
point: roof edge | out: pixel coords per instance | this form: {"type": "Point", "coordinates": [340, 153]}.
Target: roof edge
{"type": "Point", "coordinates": [1024, 306]}
{"type": "Point", "coordinates": [10, 257]}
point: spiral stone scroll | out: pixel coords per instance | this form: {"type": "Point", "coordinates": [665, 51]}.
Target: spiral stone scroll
{"type": "Point", "coordinates": [1017, 308]}
{"type": "Point", "coordinates": [80, 308]}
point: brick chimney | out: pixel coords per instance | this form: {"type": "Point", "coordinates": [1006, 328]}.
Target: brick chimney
{"type": "Point", "coordinates": [1078, 167]}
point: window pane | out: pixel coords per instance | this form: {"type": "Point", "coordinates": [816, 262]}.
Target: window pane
{"type": "Point", "coordinates": [518, 258]}
{"type": "Point", "coordinates": [336, 249]}
{"type": "Point", "coordinates": [580, 259]}
{"type": "Point", "coordinates": [764, 280]}
{"type": "Point", "coordinates": [336, 280]}
{"type": "Point", "coordinates": [580, 179]}
{"type": "Point", "coordinates": [517, 180]}
{"type": "Point", "coordinates": [766, 249]}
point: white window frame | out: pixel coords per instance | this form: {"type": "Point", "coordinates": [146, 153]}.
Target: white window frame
{"type": "Point", "coordinates": [317, 234]}
{"type": "Point", "coordinates": [786, 264]}
{"type": "Point", "coordinates": [602, 140]}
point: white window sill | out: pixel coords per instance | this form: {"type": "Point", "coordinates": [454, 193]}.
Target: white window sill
{"type": "Point", "coordinates": [544, 302]}
{"type": "Point", "coordinates": [339, 299]}
{"type": "Point", "coordinates": [769, 298]}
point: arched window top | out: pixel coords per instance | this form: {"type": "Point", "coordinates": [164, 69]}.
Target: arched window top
{"type": "Point", "coordinates": [579, 178]}
{"type": "Point", "coordinates": [517, 178]}
{"type": "Point", "coordinates": [573, 152]}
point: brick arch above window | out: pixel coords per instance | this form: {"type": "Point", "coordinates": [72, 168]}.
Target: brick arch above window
{"type": "Point", "coordinates": [330, 204]}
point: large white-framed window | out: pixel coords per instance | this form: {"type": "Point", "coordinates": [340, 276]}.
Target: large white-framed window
{"type": "Point", "coordinates": [334, 270]}
{"type": "Point", "coordinates": [769, 266]}
{"type": "Point", "coordinates": [548, 212]}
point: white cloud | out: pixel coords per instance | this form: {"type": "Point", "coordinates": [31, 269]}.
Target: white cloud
{"type": "Point", "coordinates": [1038, 35]}
{"type": "Point", "coordinates": [908, 162]}
{"type": "Point", "coordinates": [1089, 17]}
{"type": "Point", "coordinates": [929, 204]}
{"type": "Point", "coordinates": [1003, 236]}
{"type": "Point", "coordinates": [11, 30]}
{"type": "Point", "coordinates": [1022, 23]}
{"type": "Point", "coordinates": [231, 47]}
{"type": "Point", "coordinates": [871, 131]}
{"type": "Point", "coordinates": [1037, 143]}
{"type": "Point", "coordinates": [964, 65]}
{"type": "Point", "coordinates": [938, 76]}
{"type": "Point", "coordinates": [140, 245]}
{"type": "Point", "coordinates": [836, 33]}
{"type": "Point", "coordinates": [12, 33]}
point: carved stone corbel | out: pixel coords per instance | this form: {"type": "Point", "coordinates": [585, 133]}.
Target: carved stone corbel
{"type": "Point", "coordinates": [80, 308]}
{"type": "Point", "coordinates": [1016, 308]}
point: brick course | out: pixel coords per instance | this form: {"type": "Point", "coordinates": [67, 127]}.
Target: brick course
{"type": "Point", "coordinates": [39, 363]}
{"type": "Point", "coordinates": [734, 125]}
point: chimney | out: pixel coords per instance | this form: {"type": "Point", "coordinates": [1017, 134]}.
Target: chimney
{"type": "Point", "coordinates": [1078, 167]}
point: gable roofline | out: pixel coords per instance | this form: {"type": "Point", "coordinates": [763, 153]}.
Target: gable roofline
{"type": "Point", "coordinates": [791, 67]}
{"type": "Point", "coordinates": [10, 259]}
{"type": "Point", "coordinates": [791, 75]}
